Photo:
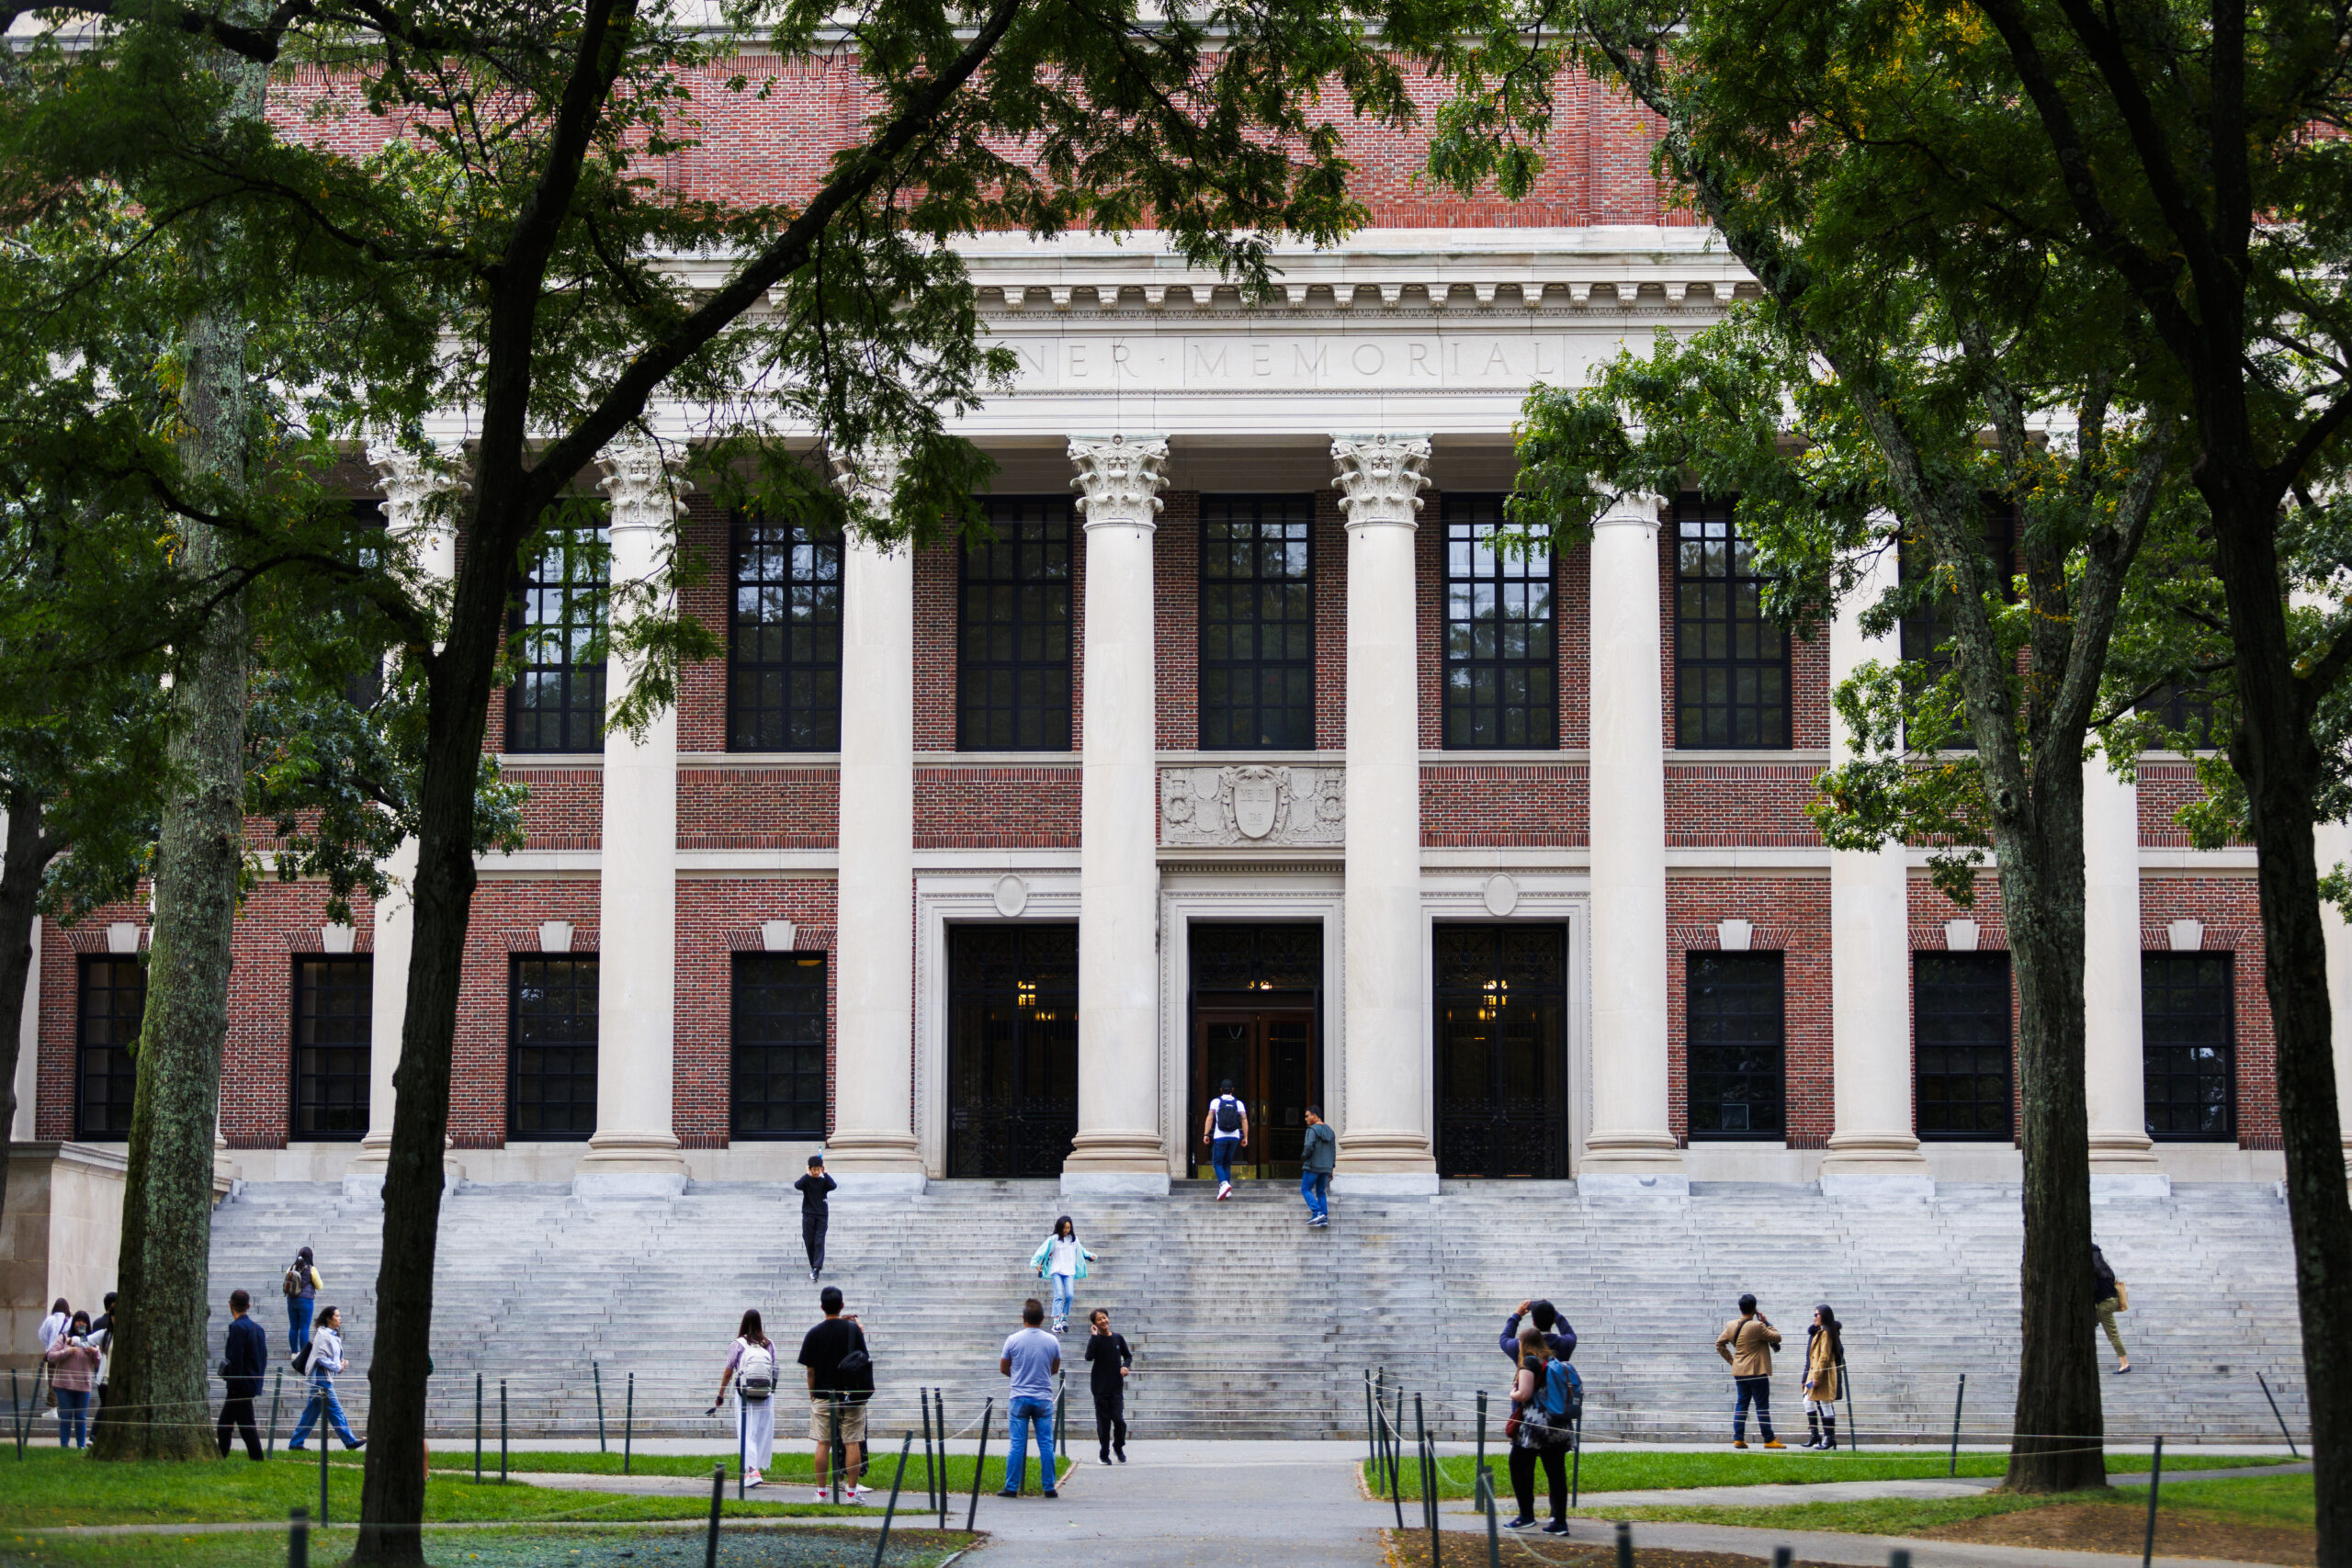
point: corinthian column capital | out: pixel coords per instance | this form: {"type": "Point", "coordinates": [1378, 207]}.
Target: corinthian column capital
{"type": "Point", "coordinates": [1381, 477]}
{"type": "Point", "coordinates": [869, 477]}
{"type": "Point", "coordinates": [412, 480]}
{"type": "Point", "coordinates": [1119, 478]}
{"type": "Point", "coordinates": [641, 481]}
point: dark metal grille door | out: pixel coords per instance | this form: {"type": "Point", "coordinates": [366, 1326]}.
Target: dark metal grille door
{"type": "Point", "coordinates": [1502, 1101]}
{"type": "Point", "coordinates": [1737, 1067]}
{"type": "Point", "coordinates": [334, 1007]}
{"type": "Point", "coordinates": [1500, 663]}
{"type": "Point", "coordinates": [557, 703]}
{"type": "Point", "coordinates": [1256, 622]}
{"type": "Point", "coordinates": [2189, 1034]}
{"type": "Point", "coordinates": [113, 1001]}
{"type": "Point", "coordinates": [784, 655]}
{"type": "Point", "coordinates": [1964, 1042]}
{"type": "Point", "coordinates": [1012, 1049]}
{"type": "Point", "coordinates": [776, 1050]}
{"type": "Point", "coordinates": [551, 1050]}
{"type": "Point", "coordinates": [1012, 667]}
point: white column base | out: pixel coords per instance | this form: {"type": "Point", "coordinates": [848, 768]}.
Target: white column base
{"type": "Point", "coordinates": [1384, 1183]}
{"type": "Point", "coordinates": [1876, 1165]}
{"type": "Point", "coordinates": [1607, 1184]}
{"type": "Point", "coordinates": [368, 1183]}
{"type": "Point", "coordinates": [1116, 1152]}
{"type": "Point", "coordinates": [1080, 1182]}
{"type": "Point", "coordinates": [875, 1166]}
{"type": "Point", "coordinates": [858, 1185]}
{"type": "Point", "coordinates": [1375, 1152]}
{"type": "Point", "coordinates": [630, 1164]}
{"type": "Point", "coordinates": [1868, 1184]}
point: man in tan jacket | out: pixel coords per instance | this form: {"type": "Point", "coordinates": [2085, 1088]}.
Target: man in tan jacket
{"type": "Point", "coordinates": [1748, 1342]}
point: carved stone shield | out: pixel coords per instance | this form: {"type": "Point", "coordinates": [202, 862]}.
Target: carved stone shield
{"type": "Point", "coordinates": [1257, 796]}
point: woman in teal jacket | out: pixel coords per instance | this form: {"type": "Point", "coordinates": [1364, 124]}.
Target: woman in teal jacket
{"type": "Point", "coordinates": [1060, 1258]}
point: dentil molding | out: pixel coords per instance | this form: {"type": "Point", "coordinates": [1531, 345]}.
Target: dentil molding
{"type": "Point", "coordinates": [1239, 807]}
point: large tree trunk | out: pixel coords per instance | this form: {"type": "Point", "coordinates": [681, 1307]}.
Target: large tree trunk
{"type": "Point", "coordinates": [27, 858]}
{"type": "Point", "coordinates": [158, 1386]}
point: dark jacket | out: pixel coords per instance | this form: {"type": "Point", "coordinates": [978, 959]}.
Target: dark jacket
{"type": "Point", "coordinates": [1105, 1355]}
{"type": "Point", "coordinates": [2102, 1278]}
{"type": "Point", "coordinates": [1562, 1340]}
{"type": "Point", "coordinates": [246, 1359]}
{"type": "Point", "coordinates": [1321, 1148]}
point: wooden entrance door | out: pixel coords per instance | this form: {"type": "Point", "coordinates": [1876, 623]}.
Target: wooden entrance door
{"type": "Point", "coordinates": [1269, 1052]}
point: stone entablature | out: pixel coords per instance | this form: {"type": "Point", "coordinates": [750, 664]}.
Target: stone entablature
{"type": "Point", "coordinates": [1247, 806]}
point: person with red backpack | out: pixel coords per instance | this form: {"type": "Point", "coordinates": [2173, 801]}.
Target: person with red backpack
{"type": "Point", "coordinates": [1541, 1429]}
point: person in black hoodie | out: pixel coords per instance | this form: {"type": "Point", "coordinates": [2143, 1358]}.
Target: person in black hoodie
{"type": "Point", "coordinates": [242, 1363]}
{"type": "Point", "coordinates": [814, 1215]}
{"type": "Point", "coordinates": [1108, 1361]}
{"type": "Point", "coordinates": [2106, 1300]}
{"type": "Point", "coordinates": [1548, 1322]}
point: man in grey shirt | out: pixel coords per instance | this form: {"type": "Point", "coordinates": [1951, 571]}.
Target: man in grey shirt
{"type": "Point", "coordinates": [1315, 1168]}
{"type": "Point", "coordinates": [1031, 1359]}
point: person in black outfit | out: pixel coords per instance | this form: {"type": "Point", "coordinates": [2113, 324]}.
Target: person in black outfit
{"type": "Point", "coordinates": [813, 1212]}
{"type": "Point", "coordinates": [1558, 1336]}
{"type": "Point", "coordinates": [102, 1335]}
{"type": "Point", "coordinates": [1108, 1360]}
{"type": "Point", "coordinates": [242, 1363]}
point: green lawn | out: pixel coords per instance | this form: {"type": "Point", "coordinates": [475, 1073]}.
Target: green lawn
{"type": "Point", "coordinates": [2274, 1500]}
{"type": "Point", "coordinates": [500, 1547]}
{"type": "Point", "coordinates": [793, 1466]}
{"type": "Point", "coordinates": [1616, 1470]}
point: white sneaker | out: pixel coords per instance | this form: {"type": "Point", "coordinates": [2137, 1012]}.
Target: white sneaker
{"type": "Point", "coordinates": [823, 1495]}
{"type": "Point", "coordinates": [1225, 1191]}
{"type": "Point", "coordinates": [861, 1491]}
{"type": "Point", "coordinates": [754, 1479]}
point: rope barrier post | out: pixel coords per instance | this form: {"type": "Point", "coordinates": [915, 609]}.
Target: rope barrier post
{"type": "Point", "coordinates": [597, 1371]}
{"type": "Point", "coordinates": [1479, 1465]}
{"type": "Point", "coordinates": [1958, 1399]}
{"type": "Point", "coordinates": [1575, 1461]}
{"type": "Point", "coordinates": [929, 1471]}
{"type": "Point", "coordinates": [2291, 1450]}
{"type": "Point", "coordinates": [834, 1457]}
{"type": "Point", "coordinates": [477, 1428]}
{"type": "Point", "coordinates": [1853, 1422]}
{"type": "Point", "coordinates": [276, 1390]}
{"type": "Point", "coordinates": [297, 1539]}
{"type": "Point", "coordinates": [628, 1424]}
{"type": "Point", "coordinates": [1395, 1434]}
{"type": "Point", "coordinates": [718, 1495]}
{"type": "Point", "coordinates": [1899, 1557]}
{"type": "Point", "coordinates": [325, 1439]}
{"type": "Point", "coordinates": [979, 1464]}
{"type": "Point", "coordinates": [15, 1413]}
{"type": "Point", "coordinates": [502, 1431]}
{"type": "Point", "coordinates": [2155, 1485]}
{"type": "Point", "coordinates": [1428, 1502]}
{"type": "Point", "coordinates": [1625, 1545]}
{"type": "Point", "coordinates": [905, 1447]}
{"type": "Point", "coordinates": [1782, 1557]}
{"type": "Point", "coordinates": [941, 1396]}
{"type": "Point", "coordinates": [1371, 1428]}
{"type": "Point", "coordinates": [1494, 1535]}
{"type": "Point", "coordinates": [740, 1437]}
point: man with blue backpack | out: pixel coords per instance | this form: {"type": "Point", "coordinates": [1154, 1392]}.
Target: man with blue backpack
{"type": "Point", "coordinates": [1546, 1403]}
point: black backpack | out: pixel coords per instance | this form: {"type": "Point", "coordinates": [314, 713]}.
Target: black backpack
{"type": "Point", "coordinates": [1228, 1114]}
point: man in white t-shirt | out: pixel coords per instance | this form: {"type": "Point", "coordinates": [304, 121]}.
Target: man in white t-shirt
{"type": "Point", "coordinates": [1225, 1129]}
{"type": "Point", "coordinates": [1031, 1359]}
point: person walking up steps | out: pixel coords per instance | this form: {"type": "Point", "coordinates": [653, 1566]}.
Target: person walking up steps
{"type": "Point", "coordinates": [1108, 1360]}
{"type": "Point", "coordinates": [814, 1214]}
{"type": "Point", "coordinates": [1748, 1342]}
{"type": "Point", "coordinates": [244, 1357]}
{"type": "Point", "coordinates": [2108, 1298]}
{"type": "Point", "coordinates": [1315, 1158]}
{"type": "Point", "coordinates": [1061, 1262]}
{"type": "Point", "coordinates": [1225, 1129]}
{"type": "Point", "coordinates": [302, 1285]}
{"type": "Point", "coordinates": [326, 1359]}
{"type": "Point", "coordinates": [1825, 1352]}
{"type": "Point", "coordinates": [751, 1365]}
{"type": "Point", "coordinates": [1031, 1359]}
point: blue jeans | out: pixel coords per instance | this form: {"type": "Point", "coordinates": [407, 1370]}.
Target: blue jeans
{"type": "Point", "coordinates": [298, 1323]}
{"type": "Point", "coordinates": [1758, 1393]}
{"type": "Point", "coordinates": [1065, 1287]}
{"type": "Point", "coordinates": [1314, 1186]}
{"type": "Point", "coordinates": [1221, 1153]}
{"type": "Point", "coordinates": [1027, 1413]}
{"type": "Point", "coordinates": [72, 1418]}
{"type": "Point", "coordinates": [323, 1392]}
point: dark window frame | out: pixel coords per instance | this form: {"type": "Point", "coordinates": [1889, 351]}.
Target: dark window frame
{"type": "Point", "coordinates": [1234, 695]}
{"type": "Point", "coordinates": [1039, 1034]}
{"type": "Point", "coordinates": [1485, 687]}
{"type": "Point", "coordinates": [1480, 1129]}
{"type": "Point", "coordinates": [2223, 983]}
{"type": "Point", "coordinates": [1736, 696]}
{"type": "Point", "coordinates": [806, 1128]}
{"type": "Point", "coordinates": [1017, 696]}
{"type": "Point", "coordinates": [576, 676]}
{"type": "Point", "coordinates": [1927, 1021]}
{"type": "Point", "coordinates": [515, 1131]}
{"type": "Point", "coordinates": [122, 1069]}
{"type": "Point", "coordinates": [1728, 985]}
{"type": "Point", "coordinates": [298, 989]}
{"type": "Point", "coordinates": [790, 700]}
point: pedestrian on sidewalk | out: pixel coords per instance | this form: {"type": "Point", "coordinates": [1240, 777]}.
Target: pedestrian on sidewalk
{"type": "Point", "coordinates": [840, 1380]}
{"type": "Point", "coordinates": [814, 1214]}
{"type": "Point", "coordinates": [1061, 1262]}
{"type": "Point", "coordinates": [1748, 1342]}
{"type": "Point", "coordinates": [1031, 1359]}
{"type": "Point", "coordinates": [1824, 1355]}
{"type": "Point", "coordinates": [2106, 1300]}
{"type": "Point", "coordinates": [1315, 1161]}
{"type": "Point", "coordinates": [1540, 1431]}
{"type": "Point", "coordinates": [326, 1359]}
{"type": "Point", "coordinates": [72, 1369]}
{"type": "Point", "coordinates": [302, 1284]}
{"type": "Point", "coordinates": [751, 1365]}
{"type": "Point", "coordinates": [1225, 1129]}
{"type": "Point", "coordinates": [1558, 1337]}
{"type": "Point", "coordinates": [61, 1317]}
{"type": "Point", "coordinates": [1108, 1360]}
{"type": "Point", "coordinates": [102, 1337]}
{"type": "Point", "coordinates": [243, 1358]}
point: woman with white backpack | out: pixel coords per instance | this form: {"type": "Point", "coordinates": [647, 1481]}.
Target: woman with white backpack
{"type": "Point", "coordinates": [751, 1365]}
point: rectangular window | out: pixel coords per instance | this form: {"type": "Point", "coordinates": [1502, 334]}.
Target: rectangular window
{"type": "Point", "coordinates": [557, 703]}
{"type": "Point", "coordinates": [105, 1030]}
{"type": "Point", "coordinates": [1501, 666]}
{"type": "Point", "coordinates": [1927, 631]}
{"type": "Point", "coordinates": [2188, 1042]}
{"type": "Point", "coordinates": [551, 1049]}
{"type": "Point", "coordinates": [334, 1007]}
{"type": "Point", "coordinates": [1012, 665]}
{"type": "Point", "coordinates": [783, 653]}
{"type": "Point", "coordinates": [1737, 1067]}
{"type": "Point", "coordinates": [1963, 1044]}
{"type": "Point", "coordinates": [776, 1077]}
{"type": "Point", "coordinates": [1731, 660]}
{"type": "Point", "coordinates": [1257, 623]}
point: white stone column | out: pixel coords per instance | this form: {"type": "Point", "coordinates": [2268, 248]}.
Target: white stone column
{"type": "Point", "coordinates": [1385, 1142]}
{"type": "Point", "coordinates": [1873, 1148]}
{"type": "Point", "coordinates": [1632, 1148]}
{"type": "Point", "coordinates": [633, 1152]}
{"type": "Point", "coordinates": [1118, 1148]}
{"type": "Point", "coordinates": [2331, 844]}
{"type": "Point", "coordinates": [419, 513]}
{"type": "Point", "coordinates": [872, 1151]}
{"type": "Point", "coordinates": [27, 1085]}
{"type": "Point", "coordinates": [2123, 1159]}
